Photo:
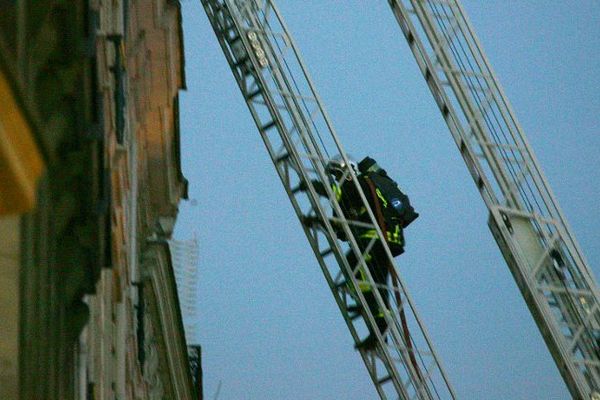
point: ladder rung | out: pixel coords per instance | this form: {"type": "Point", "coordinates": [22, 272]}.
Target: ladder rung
{"type": "Point", "coordinates": [355, 315]}
{"type": "Point", "coordinates": [252, 95]}
{"type": "Point", "coordinates": [341, 285]}
{"type": "Point", "coordinates": [282, 157]}
{"type": "Point", "coordinates": [225, 32]}
{"type": "Point", "coordinates": [241, 62]}
{"type": "Point", "coordinates": [227, 28]}
{"type": "Point", "coordinates": [267, 127]}
{"type": "Point", "coordinates": [326, 252]}
{"type": "Point", "coordinates": [353, 312]}
{"type": "Point", "coordinates": [384, 380]}
{"type": "Point", "coordinates": [218, 6]}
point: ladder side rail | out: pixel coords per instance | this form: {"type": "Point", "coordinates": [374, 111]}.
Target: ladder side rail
{"type": "Point", "coordinates": [500, 99]}
{"type": "Point", "coordinates": [453, 28]}
{"type": "Point", "coordinates": [508, 117]}
{"type": "Point", "coordinates": [458, 131]}
{"type": "Point", "coordinates": [283, 85]}
{"type": "Point", "coordinates": [580, 258]}
{"type": "Point", "coordinates": [462, 93]}
{"type": "Point", "coordinates": [477, 121]}
{"type": "Point", "coordinates": [514, 127]}
{"type": "Point", "coordinates": [469, 69]}
{"type": "Point", "coordinates": [478, 80]}
{"type": "Point", "coordinates": [569, 311]}
{"type": "Point", "coordinates": [571, 308]}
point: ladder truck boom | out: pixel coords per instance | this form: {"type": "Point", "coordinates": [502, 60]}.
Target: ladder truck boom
{"type": "Point", "coordinates": [300, 139]}
{"type": "Point", "coordinates": [525, 219]}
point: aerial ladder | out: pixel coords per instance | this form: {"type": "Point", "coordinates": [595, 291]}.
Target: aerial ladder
{"type": "Point", "coordinates": [524, 216]}
{"type": "Point", "coordinates": [300, 139]}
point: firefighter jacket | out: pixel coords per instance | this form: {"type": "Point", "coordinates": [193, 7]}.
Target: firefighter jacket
{"type": "Point", "coordinates": [351, 204]}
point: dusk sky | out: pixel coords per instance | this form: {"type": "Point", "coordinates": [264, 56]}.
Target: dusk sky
{"type": "Point", "coordinates": [269, 326]}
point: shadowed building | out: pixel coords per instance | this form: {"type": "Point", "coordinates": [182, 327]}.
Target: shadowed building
{"type": "Point", "coordinates": [90, 182]}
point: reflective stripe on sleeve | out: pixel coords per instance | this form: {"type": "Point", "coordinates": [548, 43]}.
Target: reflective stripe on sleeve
{"type": "Point", "coordinates": [338, 191]}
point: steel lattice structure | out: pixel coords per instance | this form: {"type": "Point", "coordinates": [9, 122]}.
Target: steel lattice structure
{"type": "Point", "coordinates": [300, 139]}
{"type": "Point", "coordinates": [184, 256]}
{"type": "Point", "coordinates": [525, 218]}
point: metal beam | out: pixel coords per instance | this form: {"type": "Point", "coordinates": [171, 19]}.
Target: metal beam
{"type": "Point", "coordinates": [525, 218]}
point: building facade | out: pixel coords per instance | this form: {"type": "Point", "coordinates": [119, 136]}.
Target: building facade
{"type": "Point", "coordinates": [90, 182]}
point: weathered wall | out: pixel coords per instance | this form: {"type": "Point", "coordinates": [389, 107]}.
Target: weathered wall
{"type": "Point", "coordinates": [93, 86]}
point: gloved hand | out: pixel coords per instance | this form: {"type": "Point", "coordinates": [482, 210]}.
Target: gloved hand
{"type": "Point", "coordinates": [340, 232]}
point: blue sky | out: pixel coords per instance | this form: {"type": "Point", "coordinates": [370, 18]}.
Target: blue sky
{"type": "Point", "coordinates": [269, 326]}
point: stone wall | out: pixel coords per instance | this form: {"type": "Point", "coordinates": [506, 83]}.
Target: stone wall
{"type": "Point", "coordinates": [93, 89]}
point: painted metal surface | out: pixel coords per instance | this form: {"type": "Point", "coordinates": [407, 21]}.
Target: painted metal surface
{"type": "Point", "coordinates": [525, 218]}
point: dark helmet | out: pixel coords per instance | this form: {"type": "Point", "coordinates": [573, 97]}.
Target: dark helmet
{"type": "Point", "coordinates": [368, 164]}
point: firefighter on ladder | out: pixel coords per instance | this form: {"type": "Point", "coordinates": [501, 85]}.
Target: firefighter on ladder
{"type": "Point", "coordinates": [383, 203]}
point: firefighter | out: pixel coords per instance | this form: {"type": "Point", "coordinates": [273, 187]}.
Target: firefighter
{"type": "Point", "coordinates": [376, 259]}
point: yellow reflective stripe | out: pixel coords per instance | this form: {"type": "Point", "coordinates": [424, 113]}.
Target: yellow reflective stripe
{"type": "Point", "coordinates": [396, 235]}
{"type": "Point", "coordinates": [362, 276]}
{"type": "Point", "coordinates": [338, 192]}
{"type": "Point", "coordinates": [392, 237]}
{"type": "Point", "coordinates": [370, 234]}
{"type": "Point", "coordinates": [384, 201]}
{"type": "Point", "coordinates": [362, 285]}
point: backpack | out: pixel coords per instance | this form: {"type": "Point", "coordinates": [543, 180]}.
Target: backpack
{"type": "Point", "coordinates": [396, 204]}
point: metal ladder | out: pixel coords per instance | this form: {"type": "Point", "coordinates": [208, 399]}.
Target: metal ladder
{"type": "Point", "coordinates": [300, 139]}
{"type": "Point", "coordinates": [525, 218]}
